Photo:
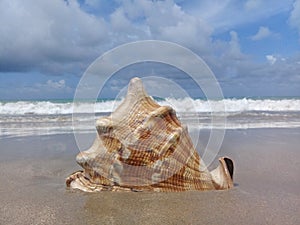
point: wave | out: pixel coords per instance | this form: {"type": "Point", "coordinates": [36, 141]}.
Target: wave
{"type": "Point", "coordinates": [235, 105]}
{"type": "Point", "coordinates": [180, 105]}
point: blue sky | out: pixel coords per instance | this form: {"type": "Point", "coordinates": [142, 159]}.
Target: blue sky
{"type": "Point", "coordinates": [252, 46]}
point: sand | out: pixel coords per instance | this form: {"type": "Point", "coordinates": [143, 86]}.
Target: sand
{"type": "Point", "coordinates": [267, 185]}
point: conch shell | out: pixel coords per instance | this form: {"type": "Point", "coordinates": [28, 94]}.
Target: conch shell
{"type": "Point", "coordinates": [142, 146]}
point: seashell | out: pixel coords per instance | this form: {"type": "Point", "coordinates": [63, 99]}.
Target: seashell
{"type": "Point", "coordinates": [142, 146]}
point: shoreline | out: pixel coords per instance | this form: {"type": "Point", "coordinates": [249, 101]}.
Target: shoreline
{"type": "Point", "coordinates": [267, 186]}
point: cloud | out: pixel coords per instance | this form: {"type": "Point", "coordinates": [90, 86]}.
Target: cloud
{"type": "Point", "coordinates": [234, 51]}
{"type": "Point", "coordinates": [51, 87]}
{"type": "Point", "coordinates": [22, 88]}
{"type": "Point", "coordinates": [271, 59]}
{"type": "Point", "coordinates": [58, 37]}
{"type": "Point", "coordinates": [283, 70]}
{"type": "Point", "coordinates": [226, 15]}
{"type": "Point", "coordinates": [163, 20]}
{"type": "Point", "coordinates": [56, 85]}
{"type": "Point", "coordinates": [275, 58]}
{"type": "Point", "coordinates": [63, 37]}
{"type": "Point", "coordinates": [294, 19]}
{"type": "Point", "coordinates": [252, 4]}
{"type": "Point", "coordinates": [277, 77]}
{"type": "Point", "coordinates": [262, 33]}
{"type": "Point", "coordinates": [37, 33]}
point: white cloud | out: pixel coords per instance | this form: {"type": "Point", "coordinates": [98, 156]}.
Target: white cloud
{"type": "Point", "coordinates": [226, 15]}
{"type": "Point", "coordinates": [51, 86]}
{"type": "Point", "coordinates": [274, 58]}
{"type": "Point", "coordinates": [55, 37]}
{"type": "Point", "coordinates": [34, 32]}
{"type": "Point", "coordinates": [262, 33]}
{"type": "Point", "coordinates": [183, 29]}
{"type": "Point", "coordinates": [233, 50]}
{"type": "Point", "coordinates": [294, 19]}
{"type": "Point", "coordinates": [56, 84]}
{"type": "Point", "coordinates": [40, 90]}
{"type": "Point", "coordinates": [271, 59]}
{"type": "Point", "coordinates": [234, 43]}
{"type": "Point", "coordinates": [164, 20]}
{"type": "Point", "coordinates": [119, 21]}
{"type": "Point", "coordinates": [253, 4]}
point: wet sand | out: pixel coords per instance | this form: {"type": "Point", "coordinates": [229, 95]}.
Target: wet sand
{"type": "Point", "coordinates": [267, 185]}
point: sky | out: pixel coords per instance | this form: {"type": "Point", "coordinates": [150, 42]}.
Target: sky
{"type": "Point", "coordinates": [251, 46]}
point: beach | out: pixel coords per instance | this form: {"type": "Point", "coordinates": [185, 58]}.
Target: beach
{"type": "Point", "coordinates": [228, 70]}
{"type": "Point", "coordinates": [267, 185]}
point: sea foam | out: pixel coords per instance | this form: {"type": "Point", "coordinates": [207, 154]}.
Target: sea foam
{"type": "Point", "coordinates": [180, 105]}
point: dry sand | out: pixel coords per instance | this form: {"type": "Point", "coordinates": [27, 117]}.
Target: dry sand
{"type": "Point", "coordinates": [267, 186]}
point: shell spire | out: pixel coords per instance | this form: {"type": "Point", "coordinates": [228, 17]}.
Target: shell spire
{"type": "Point", "coordinates": [142, 146]}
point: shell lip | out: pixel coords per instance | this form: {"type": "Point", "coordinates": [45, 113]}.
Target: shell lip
{"type": "Point", "coordinates": [229, 166]}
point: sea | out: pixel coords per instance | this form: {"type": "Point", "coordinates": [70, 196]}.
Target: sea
{"type": "Point", "coordinates": [46, 117]}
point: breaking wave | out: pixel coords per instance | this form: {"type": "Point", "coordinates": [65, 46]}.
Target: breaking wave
{"type": "Point", "coordinates": [180, 105]}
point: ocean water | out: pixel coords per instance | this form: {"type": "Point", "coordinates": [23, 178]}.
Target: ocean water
{"type": "Point", "coordinates": [23, 118]}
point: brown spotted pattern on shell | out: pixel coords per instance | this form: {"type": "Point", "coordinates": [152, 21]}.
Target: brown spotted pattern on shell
{"type": "Point", "coordinates": [142, 146]}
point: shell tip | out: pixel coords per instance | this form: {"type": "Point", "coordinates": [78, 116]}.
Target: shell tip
{"type": "Point", "coordinates": [136, 88]}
